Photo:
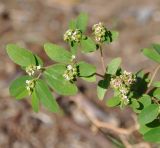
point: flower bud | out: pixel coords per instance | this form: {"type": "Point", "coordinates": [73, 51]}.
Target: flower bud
{"type": "Point", "coordinates": [73, 58]}
{"type": "Point", "coordinates": [73, 35]}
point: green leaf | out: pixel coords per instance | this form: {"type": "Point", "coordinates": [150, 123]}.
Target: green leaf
{"type": "Point", "coordinates": [57, 53]}
{"type": "Point", "coordinates": [54, 77]}
{"type": "Point", "coordinates": [82, 21]}
{"type": "Point", "coordinates": [102, 87]}
{"type": "Point", "coordinates": [152, 54]}
{"type": "Point", "coordinates": [113, 66]}
{"type": "Point", "coordinates": [156, 93]}
{"type": "Point", "coordinates": [143, 129]}
{"type": "Point", "coordinates": [153, 135]}
{"type": "Point", "coordinates": [18, 87]}
{"type": "Point", "coordinates": [147, 127]}
{"type": "Point", "coordinates": [156, 84]}
{"type": "Point", "coordinates": [156, 47]}
{"type": "Point", "coordinates": [38, 60]}
{"type": "Point", "coordinates": [74, 48]}
{"type": "Point", "coordinates": [86, 69]}
{"type": "Point", "coordinates": [88, 45]}
{"type": "Point", "coordinates": [20, 56]}
{"type": "Point", "coordinates": [145, 100]}
{"type": "Point", "coordinates": [114, 36]}
{"type": "Point", "coordinates": [148, 114]}
{"type": "Point", "coordinates": [111, 36]}
{"type": "Point", "coordinates": [35, 101]}
{"type": "Point", "coordinates": [113, 101]}
{"type": "Point", "coordinates": [72, 24]}
{"type": "Point", "coordinates": [135, 105]}
{"type": "Point", "coordinates": [45, 96]}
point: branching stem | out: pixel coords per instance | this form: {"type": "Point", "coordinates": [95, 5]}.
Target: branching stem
{"type": "Point", "coordinates": [100, 75]}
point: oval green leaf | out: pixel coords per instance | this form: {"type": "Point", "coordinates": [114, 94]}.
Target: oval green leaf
{"type": "Point", "coordinates": [113, 66]}
{"type": "Point", "coordinates": [38, 60]}
{"type": "Point", "coordinates": [135, 105]}
{"type": "Point", "coordinates": [152, 54]}
{"type": "Point", "coordinates": [86, 69]}
{"type": "Point", "coordinates": [153, 135]}
{"type": "Point", "coordinates": [20, 56]}
{"type": "Point", "coordinates": [113, 101]}
{"type": "Point", "coordinates": [57, 53]}
{"type": "Point", "coordinates": [148, 114]}
{"type": "Point", "coordinates": [35, 101]}
{"type": "Point", "coordinates": [54, 77]}
{"type": "Point", "coordinates": [88, 45]}
{"type": "Point", "coordinates": [102, 88]}
{"type": "Point", "coordinates": [45, 96]}
{"type": "Point", "coordinates": [82, 21]}
{"type": "Point", "coordinates": [18, 87]}
{"type": "Point", "coordinates": [156, 47]}
{"type": "Point", "coordinates": [156, 93]}
{"type": "Point", "coordinates": [145, 100]}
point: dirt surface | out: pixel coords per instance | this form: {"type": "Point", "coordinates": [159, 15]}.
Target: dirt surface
{"type": "Point", "coordinates": [31, 23]}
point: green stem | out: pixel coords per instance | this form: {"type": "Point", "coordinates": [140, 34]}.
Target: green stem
{"type": "Point", "coordinates": [102, 58]}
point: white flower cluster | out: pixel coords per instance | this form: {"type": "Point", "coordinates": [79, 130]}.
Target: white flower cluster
{"type": "Point", "coordinates": [31, 69]}
{"type": "Point", "coordinates": [70, 73]}
{"type": "Point", "coordinates": [123, 84]}
{"type": "Point", "coordinates": [73, 35]}
{"type": "Point", "coordinates": [99, 31]}
{"type": "Point", "coordinates": [128, 78]}
{"type": "Point", "coordinates": [30, 84]}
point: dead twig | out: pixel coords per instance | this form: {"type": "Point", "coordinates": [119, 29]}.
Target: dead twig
{"type": "Point", "coordinates": [153, 75]}
{"type": "Point", "coordinates": [81, 103]}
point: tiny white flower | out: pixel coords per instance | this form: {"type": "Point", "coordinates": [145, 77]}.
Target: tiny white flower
{"type": "Point", "coordinates": [27, 81]}
{"type": "Point", "coordinates": [68, 78]}
{"type": "Point", "coordinates": [125, 97]}
{"type": "Point", "coordinates": [74, 33]}
{"type": "Point", "coordinates": [127, 73]}
{"type": "Point", "coordinates": [73, 57]}
{"type": "Point", "coordinates": [28, 88]}
{"type": "Point", "coordinates": [65, 75]}
{"type": "Point", "coordinates": [69, 67]}
{"type": "Point", "coordinates": [98, 39]}
{"type": "Point", "coordinates": [38, 67]}
{"type": "Point", "coordinates": [123, 91]}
